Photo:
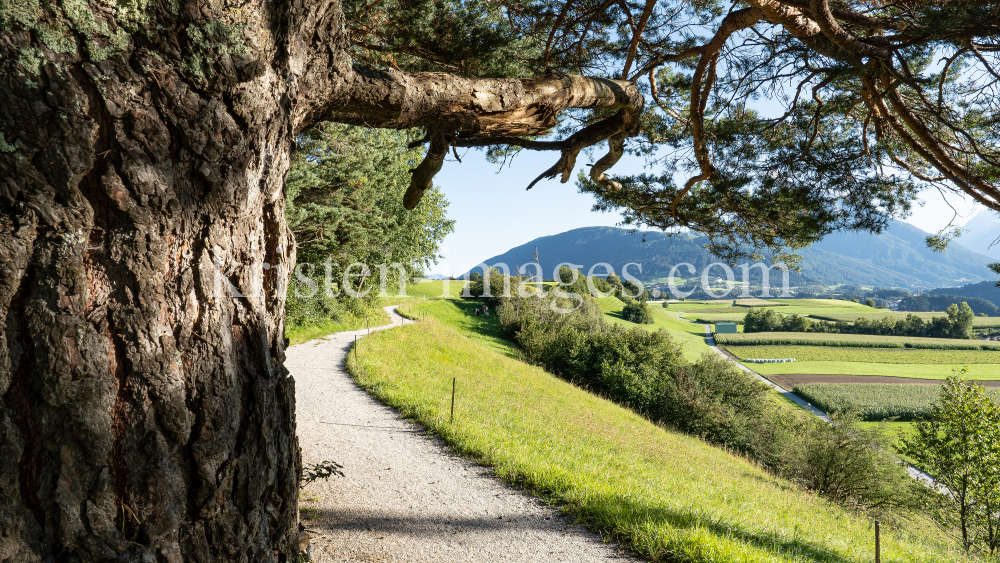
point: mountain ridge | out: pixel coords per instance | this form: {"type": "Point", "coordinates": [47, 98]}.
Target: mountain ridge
{"type": "Point", "coordinates": [898, 257]}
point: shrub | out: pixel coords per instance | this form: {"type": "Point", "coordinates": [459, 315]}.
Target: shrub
{"type": "Point", "coordinates": [848, 464]}
{"type": "Point", "coordinates": [643, 370]}
{"type": "Point", "coordinates": [498, 284]}
{"type": "Point", "coordinates": [303, 309]}
{"type": "Point", "coordinates": [960, 445]}
{"type": "Point", "coordinates": [637, 312]}
{"type": "Point", "coordinates": [760, 319]}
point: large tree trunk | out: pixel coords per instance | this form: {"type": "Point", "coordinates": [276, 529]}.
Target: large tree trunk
{"type": "Point", "coordinates": [145, 414]}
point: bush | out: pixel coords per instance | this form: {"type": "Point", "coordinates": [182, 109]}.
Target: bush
{"type": "Point", "coordinates": [642, 370]}
{"type": "Point", "coordinates": [637, 312]}
{"type": "Point", "coordinates": [760, 319]}
{"type": "Point", "coordinates": [303, 310]}
{"type": "Point", "coordinates": [849, 465]}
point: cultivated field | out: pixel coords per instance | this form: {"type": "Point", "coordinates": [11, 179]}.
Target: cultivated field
{"type": "Point", "coordinates": [985, 372]}
{"type": "Point", "coordinates": [759, 303]}
{"type": "Point", "coordinates": [712, 319]}
{"type": "Point", "coordinates": [702, 306]}
{"type": "Point", "coordinates": [868, 355]}
{"type": "Point", "coordinates": [713, 311]}
{"type": "Point", "coordinates": [851, 341]}
{"type": "Point", "coordinates": [874, 402]}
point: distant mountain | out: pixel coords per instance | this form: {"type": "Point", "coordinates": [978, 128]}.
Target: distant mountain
{"type": "Point", "coordinates": [899, 257]}
{"type": "Point", "coordinates": [896, 258]}
{"type": "Point", "coordinates": [982, 231]}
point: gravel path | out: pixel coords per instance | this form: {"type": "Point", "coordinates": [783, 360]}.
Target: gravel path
{"type": "Point", "coordinates": [405, 497]}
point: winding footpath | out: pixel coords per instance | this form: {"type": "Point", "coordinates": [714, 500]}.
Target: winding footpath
{"type": "Point", "coordinates": [405, 497]}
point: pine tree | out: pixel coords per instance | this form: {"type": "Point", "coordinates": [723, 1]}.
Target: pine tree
{"type": "Point", "coordinates": [144, 148]}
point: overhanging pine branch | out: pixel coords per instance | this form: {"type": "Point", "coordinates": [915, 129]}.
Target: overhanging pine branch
{"type": "Point", "coordinates": [483, 112]}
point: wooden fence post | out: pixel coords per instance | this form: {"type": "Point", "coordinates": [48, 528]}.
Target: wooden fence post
{"type": "Point", "coordinates": [453, 398]}
{"type": "Point", "coordinates": [878, 544]}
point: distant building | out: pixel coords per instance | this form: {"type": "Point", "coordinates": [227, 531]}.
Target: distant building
{"type": "Point", "coordinates": [725, 328]}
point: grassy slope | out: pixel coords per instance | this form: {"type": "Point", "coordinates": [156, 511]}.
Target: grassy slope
{"type": "Point", "coordinates": [690, 336]}
{"type": "Point", "coordinates": [670, 496]}
{"type": "Point", "coordinates": [459, 314]}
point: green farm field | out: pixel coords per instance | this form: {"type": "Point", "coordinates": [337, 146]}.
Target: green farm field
{"type": "Point", "coordinates": [875, 402]}
{"type": "Point", "coordinates": [760, 303]}
{"type": "Point", "coordinates": [701, 305]}
{"type": "Point", "coordinates": [851, 341]}
{"type": "Point", "coordinates": [984, 372]}
{"type": "Point", "coordinates": [868, 355]}
{"type": "Point", "coordinates": [804, 307]}
{"type": "Point", "coordinates": [668, 496]}
{"type": "Point", "coordinates": [715, 318]}
{"type": "Point", "coordinates": [713, 311]}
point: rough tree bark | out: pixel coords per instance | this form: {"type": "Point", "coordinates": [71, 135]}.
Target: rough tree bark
{"type": "Point", "coordinates": [145, 414]}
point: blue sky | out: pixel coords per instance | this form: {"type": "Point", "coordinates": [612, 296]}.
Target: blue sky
{"type": "Point", "coordinates": [493, 212]}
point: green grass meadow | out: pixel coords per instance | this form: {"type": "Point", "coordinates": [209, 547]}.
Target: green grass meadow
{"type": "Point", "coordinates": [668, 496]}
{"type": "Point", "coordinates": [690, 336]}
